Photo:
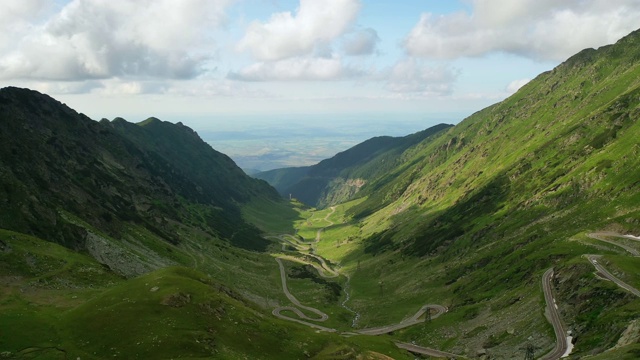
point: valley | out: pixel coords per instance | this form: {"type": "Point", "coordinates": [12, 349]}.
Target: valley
{"type": "Point", "coordinates": [563, 343]}
{"type": "Point", "coordinates": [513, 234]}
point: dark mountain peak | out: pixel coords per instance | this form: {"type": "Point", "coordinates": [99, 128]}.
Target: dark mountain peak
{"type": "Point", "coordinates": [627, 48]}
{"type": "Point", "coordinates": [32, 101]}
{"type": "Point", "coordinates": [35, 117]}
{"type": "Point", "coordinates": [16, 92]}
{"type": "Point", "coordinates": [112, 173]}
{"type": "Point", "coordinates": [166, 130]}
{"type": "Point", "coordinates": [632, 38]}
{"type": "Point", "coordinates": [152, 121]}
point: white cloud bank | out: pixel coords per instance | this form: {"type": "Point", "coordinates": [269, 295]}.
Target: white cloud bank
{"type": "Point", "coordinates": [294, 69]}
{"type": "Point", "coordinates": [412, 76]}
{"type": "Point", "coordinates": [538, 29]}
{"type": "Point", "coordinates": [285, 35]}
{"type": "Point", "coordinates": [102, 39]}
{"type": "Point", "coordinates": [299, 46]}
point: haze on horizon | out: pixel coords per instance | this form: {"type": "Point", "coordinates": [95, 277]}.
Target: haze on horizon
{"type": "Point", "coordinates": [245, 64]}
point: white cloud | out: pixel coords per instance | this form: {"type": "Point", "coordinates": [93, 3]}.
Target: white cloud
{"type": "Point", "coordinates": [299, 68]}
{"type": "Point", "coordinates": [539, 29]}
{"type": "Point", "coordinates": [101, 39]}
{"type": "Point", "coordinates": [16, 17]}
{"type": "Point", "coordinates": [413, 76]}
{"type": "Point", "coordinates": [300, 46]}
{"type": "Point", "coordinates": [362, 42]}
{"type": "Point", "coordinates": [516, 85]}
{"type": "Point", "coordinates": [65, 87]}
{"type": "Point", "coordinates": [315, 24]}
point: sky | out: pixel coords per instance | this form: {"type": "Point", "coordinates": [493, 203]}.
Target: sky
{"type": "Point", "coordinates": [249, 61]}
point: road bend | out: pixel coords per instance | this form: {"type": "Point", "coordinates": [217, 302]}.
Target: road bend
{"type": "Point", "coordinates": [415, 319]}
{"type": "Point", "coordinates": [554, 318]}
{"type": "Point", "coordinates": [326, 218]}
{"type": "Point", "coordinates": [426, 351]}
{"type": "Point", "coordinates": [324, 268]}
{"type": "Point", "coordinates": [283, 277]}
{"type": "Point", "coordinates": [593, 259]}
{"type": "Point", "coordinates": [601, 236]}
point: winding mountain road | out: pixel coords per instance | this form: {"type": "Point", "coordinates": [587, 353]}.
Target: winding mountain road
{"type": "Point", "coordinates": [326, 218]}
{"type": "Point", "coordinates": [304, 319]}
{"type": "Point", "coordinates": [413, 320]}
{"type": "Point", "coordinates": [285, 289]}
{"type": "Point", "coordinates": [306, 249]}
{"type": "Point", "coordinates": [552, 312]}
{"type": "Point", "coordinates": [324, 270]}
{"type": "Point", "coordinates": [601, 237]}
{"type": "Point", "coordinates": [593, 259]}
{"type": "Point", "coordinates": [426, 351]}
{"type": "Point", "coordinates": [554, 318]}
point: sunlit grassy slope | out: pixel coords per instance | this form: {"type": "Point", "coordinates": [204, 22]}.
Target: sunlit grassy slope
{"type": "Point", "coordinates": [473, 218]}
{"type": "Point", "coordinates": [339, 178]}
{"type": "Point", "coordinates": [468, 219]}
{"type": "Point", "coordinates": [58, 304]}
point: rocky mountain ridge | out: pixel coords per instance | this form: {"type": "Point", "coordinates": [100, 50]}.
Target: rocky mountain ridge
{"type": "Point", "coordinates": [56, 164]}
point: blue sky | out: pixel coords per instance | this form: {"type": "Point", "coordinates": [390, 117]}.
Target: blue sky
{"type": "Point", "coordinates": [199, 61]}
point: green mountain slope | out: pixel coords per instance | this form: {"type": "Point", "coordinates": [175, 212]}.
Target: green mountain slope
{"type": "Point", "coordinates": [339, 178]}
{"type": "Point", "coordinates": [566, 139]}
{"type": "Point", "coordinates": [483, 209]}
{"type": "Point", "coordinates": [157, 245]}
{"type": "Point", "coordinates": [58, 304]}
{"type": "Point", "coordinates": [69, 179]}
{"type": "Point", "coordinates": [467, 219]}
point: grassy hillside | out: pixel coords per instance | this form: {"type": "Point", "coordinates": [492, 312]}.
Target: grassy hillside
{"type": "Point", "coordinates": [68, 179]}
{"type": "Point", "coordinates": [473, 217]}
{"type": "Point", "coordinates": [160, 240]}
{"type": "Point", "coordinates": [58, 304]}
{"type": "Point", "coordinates": [339, 178]}
{"type": "Point", "coordinates": [149, 232]}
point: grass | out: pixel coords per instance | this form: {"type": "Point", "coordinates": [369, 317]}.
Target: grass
{"type": "Point", "coordinates": [204, 320]}
{"type": "Point", "coordinates": [627, 268]}
{"type": "Point", "coordinates": [169, 313]}
{"type": "Point", "coordinates": [273, 217]}
{"type": "Point", "coordinates": [472, 295]}
{"type": "Point", "coordinates": [629, 352]}
{"type": "Point", "coordinates": [323, 294]}
{"type": "Point", "coordinates": [469, 220]}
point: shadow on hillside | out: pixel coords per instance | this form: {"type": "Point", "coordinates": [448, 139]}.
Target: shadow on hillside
{"type": "Point", "coordinates": [273, 217]}
{"type": "Point", "coordinates": [416, 233]}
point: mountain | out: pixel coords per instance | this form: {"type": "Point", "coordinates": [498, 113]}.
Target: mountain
{"type": "Point", "coordinates": [563, 140]}
{"type": "Point", "coordinates": [474, 216]}
{"type": "Point", "coordinates": [65, 176]}
{"type": "Point", "coordinates": [58, 304]}
{"type": "Point", "coordinates": [111, 227]}
{"type": "Point", "coordinates": [487, 228]}
{"type": "Point", "coordinates": [339, 178]}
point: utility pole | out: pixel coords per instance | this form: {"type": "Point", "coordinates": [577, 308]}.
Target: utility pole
{"type": "Point", "coordinates": [428, 314]}
{"type": "Point", "coordinates": [381, 283]}
{"type": "Point", "coordinates": [529, 352]}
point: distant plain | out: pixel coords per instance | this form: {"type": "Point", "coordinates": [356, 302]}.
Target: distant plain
{"type": "Point", "coordinates": [260, 144]}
